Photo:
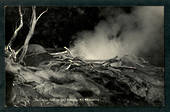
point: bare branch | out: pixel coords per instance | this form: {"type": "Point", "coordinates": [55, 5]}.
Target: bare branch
{"type": "Point", "coordinates": [19, 27]}
{"type": "Point", "coordinates": [68, 50]}
{"type": "Point", "coordinates": [19, 50]}
{"type": "Point", "coordinates": [34, 11]}
{"type": "Point", "coordinates": [42, 14]}
{"type": "Point", "coordinates": [33, 17]}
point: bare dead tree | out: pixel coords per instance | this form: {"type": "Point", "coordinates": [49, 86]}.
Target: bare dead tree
{"type": "Point", "coordinates": [24, 48]}
{"type": "Point", "coordinates": [31, 32]}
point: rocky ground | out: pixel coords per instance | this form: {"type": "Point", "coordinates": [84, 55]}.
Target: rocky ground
{"type": "Point", "coordinates": [58, 79]}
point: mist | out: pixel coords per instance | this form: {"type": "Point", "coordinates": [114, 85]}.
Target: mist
{"type": "Point", "coordinates": [138, 33]}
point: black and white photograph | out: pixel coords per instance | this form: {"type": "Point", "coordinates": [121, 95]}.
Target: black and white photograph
{"type": "Point", "coordinates": [84, 56]}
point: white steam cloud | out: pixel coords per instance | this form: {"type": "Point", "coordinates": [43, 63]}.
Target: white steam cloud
{"type": "Point", "coordinates": [122, 34]}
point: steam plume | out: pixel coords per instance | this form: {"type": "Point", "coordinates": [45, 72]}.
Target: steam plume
{"type": "Point", "coordinates": [123, 34]}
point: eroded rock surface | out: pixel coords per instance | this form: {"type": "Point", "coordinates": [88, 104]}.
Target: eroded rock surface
{"type": "Point", "coordinates": [48, 80]}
